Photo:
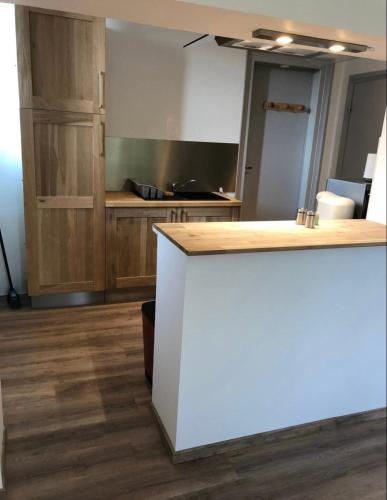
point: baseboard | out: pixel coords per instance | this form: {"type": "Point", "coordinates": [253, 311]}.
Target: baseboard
{"type": "Point", "coordinates": [163, 434]}
{"type": "Point", "coordinates": [117, 296]}
{"type": "Point", "coordinates": [74, 299]}
{"type": "Point", "coordinates": [24, 298]}
{"type": "Point", "coordinates": [137, 294]}
{"type": "Point", "coordinates": [265, 437]}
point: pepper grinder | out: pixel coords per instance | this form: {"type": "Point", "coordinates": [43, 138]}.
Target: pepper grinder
{"type": "Point", "coordinates": [310, 219]}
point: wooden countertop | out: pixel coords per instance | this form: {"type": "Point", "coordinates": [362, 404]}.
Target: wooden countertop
{"type": "Point", "coordinates": [247, 237]}
{"type": "Point", "coordinates": [115, 199]}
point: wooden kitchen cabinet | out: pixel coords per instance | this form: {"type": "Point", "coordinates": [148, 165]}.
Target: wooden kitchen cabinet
{"type": "Point", "coordinates": [131, 243]}
{"type": "Point", "coordinates": [61, 63]}
{"type": "Point", "coordinates": [61, 60]}
{"type": "Point", "coordinates": [131, 246]}
{"type": "Point", "coordinates": [64, 190]}
{"type": "Point", "coordinates": [208, 214]}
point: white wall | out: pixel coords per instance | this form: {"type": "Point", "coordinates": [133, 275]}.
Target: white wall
{"type": "Point", "coordinates": [1, 441]}
{"type": "Point", "coordinates": [158, 90]}
{"type": "Point", "coordinates": [166, 388]}
{"type": "Point", "coordinates": [377, 210]}
{"type": "Point", "coordinates": [336, 111]}
{"type": "Point", "coordinates": [11, 187]}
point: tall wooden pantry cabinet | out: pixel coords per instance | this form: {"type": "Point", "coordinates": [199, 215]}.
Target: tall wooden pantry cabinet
{"type": "Point", "coordinates": [61, 64]}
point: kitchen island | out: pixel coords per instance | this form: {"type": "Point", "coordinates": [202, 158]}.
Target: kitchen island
{"type": "Point", "coordinates": [262, 326]}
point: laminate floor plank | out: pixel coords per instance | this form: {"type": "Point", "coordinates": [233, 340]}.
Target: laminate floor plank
{"type": "Point", "coordinates": [80, 425]}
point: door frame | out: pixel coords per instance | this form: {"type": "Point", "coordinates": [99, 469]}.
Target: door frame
{"type": "Point", "coordinates": [352, 81]}
{"type": "Point", "coordinates": [325, 71]}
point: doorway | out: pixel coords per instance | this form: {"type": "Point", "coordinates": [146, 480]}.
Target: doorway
{"type": "Point", "coordinates": [363, 121]}
{"type": "Point", "coordinates": [280, 154]}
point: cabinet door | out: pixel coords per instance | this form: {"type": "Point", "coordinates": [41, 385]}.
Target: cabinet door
{"type": "Point", "coordinates": [64, 201]}
{"type": "Point", "coordinates": [209, 214]}
{"type": "Point", "coordinates": [131, 246]}
{"type": "Point", "coordinates": [61, 60]}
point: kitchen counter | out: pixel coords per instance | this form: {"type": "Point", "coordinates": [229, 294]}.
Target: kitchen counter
{"type": "Point", "coordinates": [121, 199]}
{"type": "Point", "coordinates": [261, 326]}
{"type": "Point", "coordinates": [246, 237]}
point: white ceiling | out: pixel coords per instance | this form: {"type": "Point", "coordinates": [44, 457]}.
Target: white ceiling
{"type": "Point", "coordinates": [364, 16]}
{"type": "Point", "coordinates": [188, 15]}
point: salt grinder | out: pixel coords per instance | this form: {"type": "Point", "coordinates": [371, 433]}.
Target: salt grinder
{"type": "Point", "coordinates": [301, 216]}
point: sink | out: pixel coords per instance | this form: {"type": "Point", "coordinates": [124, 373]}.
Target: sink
{"type": "Point", "coordinates": [200, 195]}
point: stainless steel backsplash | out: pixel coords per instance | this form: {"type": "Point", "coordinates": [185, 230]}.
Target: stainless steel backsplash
{"type": "Point", "coordinates": [160, 162]}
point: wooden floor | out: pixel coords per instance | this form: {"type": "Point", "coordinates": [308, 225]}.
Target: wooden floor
{"type": "Point", "coordinates": [80, 425]}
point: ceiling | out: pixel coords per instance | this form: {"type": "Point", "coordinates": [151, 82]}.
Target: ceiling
{"type": "Point", "coordinates": [190, 16]}
{"type": "Point", "coordinates": [354, 15]}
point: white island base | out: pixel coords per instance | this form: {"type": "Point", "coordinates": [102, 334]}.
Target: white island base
{"type": "Point", "coordinates": [247, 343]}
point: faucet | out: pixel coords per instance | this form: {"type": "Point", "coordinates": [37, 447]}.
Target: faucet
{"type": "Point", "coordinates": [179, 185]}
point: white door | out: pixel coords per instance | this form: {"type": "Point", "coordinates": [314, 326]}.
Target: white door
{"type": "Point", "coordinates": [275, 168]}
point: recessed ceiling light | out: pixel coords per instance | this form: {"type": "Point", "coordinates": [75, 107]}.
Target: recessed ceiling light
{"type": "Point", "coordinates": [337, 47]}
{"type": "Point", "coordinates": [284, 39]}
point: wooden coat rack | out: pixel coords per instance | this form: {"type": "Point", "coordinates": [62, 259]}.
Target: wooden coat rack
{"type": "Point", "coordinates": [283, 106]}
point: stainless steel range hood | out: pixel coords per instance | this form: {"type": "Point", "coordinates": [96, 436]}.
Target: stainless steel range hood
{"type": "Point", "coordinates": [267, 44]}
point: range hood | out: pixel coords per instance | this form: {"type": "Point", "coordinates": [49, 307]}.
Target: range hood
{"type": "Point", "coordinates": [301, 46]}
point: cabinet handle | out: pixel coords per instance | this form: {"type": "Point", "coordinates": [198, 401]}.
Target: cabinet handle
{"type": "Point", "coordinates": [101, 89]}
{"type": "Point", "coordinates": [102, 138]}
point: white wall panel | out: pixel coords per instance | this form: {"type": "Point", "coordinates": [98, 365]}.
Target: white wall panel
{"type": "Point", "coordinates": [156, 89]}
{"type": "Point", "coordinates": [377, 206]}
{"type": "Point", "coordinates": [11, 176]}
